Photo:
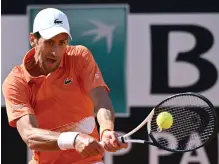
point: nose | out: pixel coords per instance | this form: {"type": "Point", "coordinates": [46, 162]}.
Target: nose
{"type": "Point", "coordinates": [55, 50]}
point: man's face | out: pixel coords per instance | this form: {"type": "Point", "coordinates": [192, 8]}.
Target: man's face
{"type": "Point", "coordinates": [48, 53]}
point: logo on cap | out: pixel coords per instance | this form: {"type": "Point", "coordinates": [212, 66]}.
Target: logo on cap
{"type": "Point", "coordinates": [57, 21]}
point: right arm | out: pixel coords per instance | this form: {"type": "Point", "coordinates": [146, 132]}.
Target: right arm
{"type": "Point", "coordinates": [21, 115]}
{"type": "Point", "coordinates": [45, 140]}
{"type": "Point", "coordinates": [36, 138]}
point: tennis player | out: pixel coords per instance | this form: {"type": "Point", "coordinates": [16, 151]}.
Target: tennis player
{"type": "Point", "coordinates": [52, 96]}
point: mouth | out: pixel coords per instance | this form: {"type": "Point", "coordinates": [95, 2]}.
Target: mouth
{"type": "Point", "coordinates": [50, 61]}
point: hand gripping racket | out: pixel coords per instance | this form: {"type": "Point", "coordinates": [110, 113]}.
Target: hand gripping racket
{"type": "Point", "coordinates": [194, 123]}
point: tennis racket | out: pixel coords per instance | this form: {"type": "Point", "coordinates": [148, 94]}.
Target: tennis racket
{"type": "Point", "coordinates": [194, 123]}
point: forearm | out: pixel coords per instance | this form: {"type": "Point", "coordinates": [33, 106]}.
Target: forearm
{"type": "Point", "coordinates": [104, 109]}
{"type": "Point", "coordinates": [105, 115]}
{"type": "Point", "coordinates": [105, 118]}
{"type": "Point", "coordinates": [42, 140]}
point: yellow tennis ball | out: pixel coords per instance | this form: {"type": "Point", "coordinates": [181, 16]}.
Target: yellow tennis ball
{"type": "Point", "coordinates": [164, 120]}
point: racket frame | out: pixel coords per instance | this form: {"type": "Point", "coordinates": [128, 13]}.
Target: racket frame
{"type": "Point", "coordinates": [147, 120]}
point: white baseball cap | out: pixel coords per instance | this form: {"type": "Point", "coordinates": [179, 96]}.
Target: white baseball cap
{"type": "Point", "coordinates": [50, 22]}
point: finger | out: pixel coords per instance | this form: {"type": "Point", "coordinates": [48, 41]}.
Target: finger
{"type": "Point", "coordinates": [98, 147]}
{"type": "Point", "coordinates": [95, 148]}
{"type": "Point", "coordinates": [107, 148]}
{"type": "Point", "coordinates": [121, 145]}
{"type": "Point", "coordinates": [84, 154]}
{"type": "Point", "coordinates": [101, 143]}
{"type": "Point", "coordinates": [111, 147]}
{"type": "Point", "coordinates": [93, 152]}
{"type": "Point", "coordinates": [124, 145]}
{"type": "Point", "coordinates": [114, 140]}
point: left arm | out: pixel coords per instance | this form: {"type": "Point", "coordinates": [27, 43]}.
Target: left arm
{"type": "Point", "coordinates": [93, 83]}
{"type": "Point", "coordinates": [105, 118]}
{"type": "Point", "coordinates": [104, 109]}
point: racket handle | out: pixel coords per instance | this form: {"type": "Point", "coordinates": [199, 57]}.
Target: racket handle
{"type": "Point", "coordinates": [120, 139]}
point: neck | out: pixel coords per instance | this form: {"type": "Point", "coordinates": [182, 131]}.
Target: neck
{"type": "Point", "coordinates": [34, 68]}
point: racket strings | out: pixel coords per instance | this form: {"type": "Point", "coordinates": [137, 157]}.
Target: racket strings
{"type": "Point", "coordinates": [193, 123]}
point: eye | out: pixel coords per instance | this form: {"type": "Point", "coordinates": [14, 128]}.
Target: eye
{"type": "Point", "coordinates": [50, 42]}
{"type": "Point", "coordinates": [63, 42]}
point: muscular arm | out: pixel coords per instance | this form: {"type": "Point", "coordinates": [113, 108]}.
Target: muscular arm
{"type": "Point", "coordinates": [45, 140]}
{"type": "Point", "coordinates": [22, 116]}
{"type": "Point", "coordinates": [105, 117]}
{"type": "Point", "coordinates": [36, 138]}
{"type": "Point", "coordinates": [94, 84]}
{"type": "Point", "coordinates": [104, 108]}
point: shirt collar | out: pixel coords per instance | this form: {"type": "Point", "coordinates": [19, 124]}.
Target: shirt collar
{"type": "Point", "coordinates": [27, 57]}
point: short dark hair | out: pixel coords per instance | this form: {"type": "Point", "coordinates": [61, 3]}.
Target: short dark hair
{"type": "Point", "coordinates": [37, 35]}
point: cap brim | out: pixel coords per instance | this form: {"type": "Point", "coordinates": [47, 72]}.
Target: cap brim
{"type": "Point", "coordinates": [51, 32]}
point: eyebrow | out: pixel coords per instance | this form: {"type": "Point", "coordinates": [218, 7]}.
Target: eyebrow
{"type": "Point", "coordinates": [64, 39]}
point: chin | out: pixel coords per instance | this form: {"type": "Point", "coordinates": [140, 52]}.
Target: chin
{"type": "Point", "coordinates": [53, 69]}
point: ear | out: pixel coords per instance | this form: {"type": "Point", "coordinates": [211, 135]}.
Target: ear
{"type": "Point", "coordinates": [33, 40]}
